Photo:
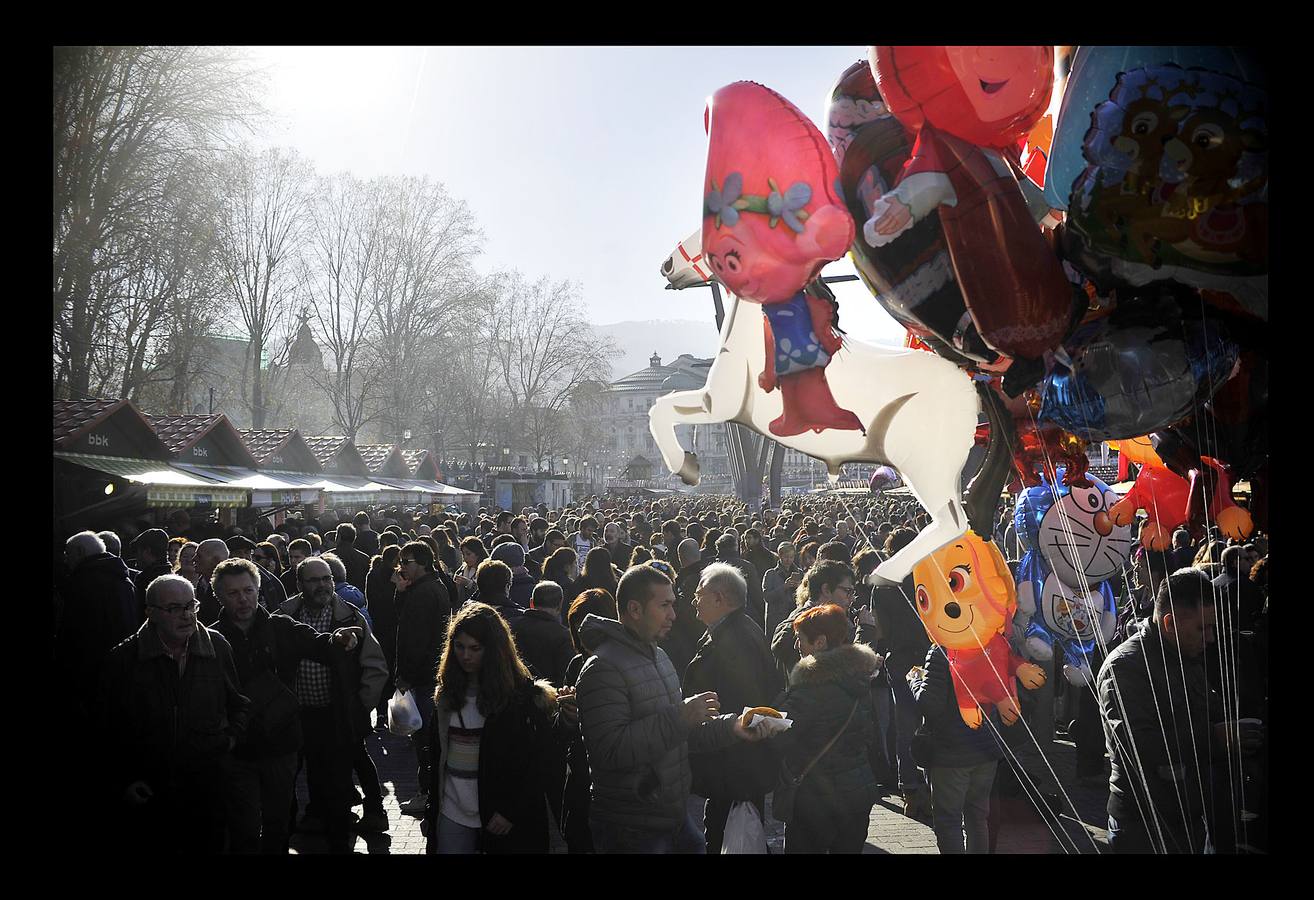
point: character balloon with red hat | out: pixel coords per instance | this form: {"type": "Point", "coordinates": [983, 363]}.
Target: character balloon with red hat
{"type": "Point", "coordinates": [772, 217]}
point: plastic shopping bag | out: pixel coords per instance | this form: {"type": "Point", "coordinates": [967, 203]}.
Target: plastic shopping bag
{"type": "Point", "coordinates": [743, 830]}
{"type": "Point", "coordinates": [403, 715]}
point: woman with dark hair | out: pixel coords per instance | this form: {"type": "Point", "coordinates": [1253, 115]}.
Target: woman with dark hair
{"type": "Point", "coordinates": [473, 552]}
{"type": "Point", "coordinates": [807, 555]}
{"type": "Point", "coordinates": [598, 572]}
{"type": "Point", "coordinates": [560, 567]}
{"type": "Point", "coordinates": [492, 731]}
{"type": "Point", "coordinates": [575, 798]}
{"type": "Point", "coordinates": [446, 552]}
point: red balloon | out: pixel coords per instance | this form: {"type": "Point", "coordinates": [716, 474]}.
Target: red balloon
{"type": "Point", "coordinates": [968, 108]}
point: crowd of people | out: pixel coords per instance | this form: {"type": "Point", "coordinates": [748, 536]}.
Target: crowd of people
{"type": "Point", "coordinates": [585, 669]}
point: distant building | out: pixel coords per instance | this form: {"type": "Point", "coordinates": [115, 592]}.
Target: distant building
{"type": "Point", "coordinates": [624, 421]}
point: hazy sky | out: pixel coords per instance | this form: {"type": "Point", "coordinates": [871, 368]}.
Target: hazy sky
{"type": "Point", "coordinates": [582, 163]}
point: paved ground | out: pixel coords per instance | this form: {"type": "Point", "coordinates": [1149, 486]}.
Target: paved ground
{"type": "Point", "coordinates": [1078, 827]}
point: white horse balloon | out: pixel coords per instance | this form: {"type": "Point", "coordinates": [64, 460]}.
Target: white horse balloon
{"type": "Point", "coordinates": [919, 411]}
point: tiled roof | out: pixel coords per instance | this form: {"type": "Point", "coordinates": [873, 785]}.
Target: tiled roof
{"type": "Point", "coordinates": [71, 416]}
{"type": "Point", "coordinates": [413, 457]}
{"type": "Point", "coordinates": [325, 446]}
{"type": "Point", "coordinates": [374, 455]}
{"type": "Point", "coordinates": [178, 432]}
{"type": "Point", "coordinates": [263, 443]}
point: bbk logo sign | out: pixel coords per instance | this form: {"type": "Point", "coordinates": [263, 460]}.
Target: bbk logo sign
{"type": "Point", "coordinates": [200, 452]}
{"type": "Point", "coordinates": [98, 440]}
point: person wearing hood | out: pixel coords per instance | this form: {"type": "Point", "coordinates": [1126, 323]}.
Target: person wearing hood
{"type": "Point", "coordinates": [577, 789]}
{"type": "Point", "coordinates": [828, 745]}
{"type": "Point", "coordinates": [522, 583]}
{"type": "Point", "coordinates": [638, 730]}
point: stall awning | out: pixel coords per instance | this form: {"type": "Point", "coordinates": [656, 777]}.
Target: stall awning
{"type": "Point", "coordinates": [352, 489]}
{"type": "Point", "coordinates": [267, 488]}
{"type": "Point", "coordinates": [141, 471]}
{"type": "Point", "coordinates": [426, 487]}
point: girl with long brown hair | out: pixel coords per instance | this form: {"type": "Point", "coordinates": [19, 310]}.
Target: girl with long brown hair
{"type": "Point", "coordinates": [493, 726]}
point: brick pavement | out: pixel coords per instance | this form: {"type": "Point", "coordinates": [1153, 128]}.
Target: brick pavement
{"type": "Point", "coordinates": [1022, 829]}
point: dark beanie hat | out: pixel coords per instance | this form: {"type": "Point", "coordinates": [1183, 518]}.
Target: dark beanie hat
{"type": "Point", "coordinates": [240, 544]}
{"type": "Point", "coordinates": [510, 553]}
{"type": "Point", "coordinates": [155, 540]}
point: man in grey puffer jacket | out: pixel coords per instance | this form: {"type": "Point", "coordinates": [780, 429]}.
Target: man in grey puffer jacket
{"type": "Point", "coordinates": [638, 731]}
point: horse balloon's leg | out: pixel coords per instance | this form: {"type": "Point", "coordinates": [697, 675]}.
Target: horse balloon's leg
{"type": "Point", "coordinates": [937, 489]}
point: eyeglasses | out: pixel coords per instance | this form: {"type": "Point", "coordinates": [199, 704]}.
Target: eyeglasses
{"type": "Point", "coordinates": [176, 608]}
{"type": "Point", "coordinates": [405, 562]}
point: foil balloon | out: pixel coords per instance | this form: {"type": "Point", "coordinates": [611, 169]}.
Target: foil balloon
{"type": "Point", "coordinates": [883, 479]}
{"type": "Point", "coordinates": [969, 107]}
{"type": "Point", "coordinates": [772, 219]}
{"type": "Point", "coordinates": [1176, 185]}
{"type": "Point", "coordinates": [912, 278]}
{"type": "Point", "coordinates": [966, 599]}
{"type": "Point", "coordinates": [1072, 531]}
{"type": "Point", "coordinates": [1160, 492]}
{"type": "Point", "coordinates": [1093, 77]}
{"type": "Point", "coordinates": [1141, 368]}
{"type": "Point", "coordinates": [1054, 617]}
{"type": "Point", "coordinates": [1073, 548]}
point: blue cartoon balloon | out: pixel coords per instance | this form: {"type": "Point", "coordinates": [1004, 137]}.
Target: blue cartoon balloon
{"type": "Point", "coordinates": [1065, 602]}
{"type": "Point", "coordinates": [1094, 75]}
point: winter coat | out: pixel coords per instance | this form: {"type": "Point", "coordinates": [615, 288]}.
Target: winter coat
{"type": "Point", "coordinates": [544, 644]}
{"type": "Point", "coordinates": [762, 559]}
{"type": "Point", "coordinates": [421, 630]}
{"type": "Point", "coordinates": [638, 743]}
{"type": "Point", "coordinates": [782, 642]}
{"type": "Point", "coordinates": [99, 612]}
{"type": "Point", "coordinates": [267, 657]}
{"type": "Point", "coordinates": [682, 642]}
{"type": "Point", "coordinates": [357, 565]}
{"type": "Point", "coordinates": [359, 676]}
{"type": "Point", "coordinates": [512, 781]}
{"type": "Point", "coordinates": [734, 660]}
{"type": "Point", "coordinates": [901, 627]}
{"type": "Point", "coordinates": [754, 606]}
{"type": "Point", "coordinates": [1145, 689]}
{"type": "Point", "coordinates": [381, 598]}
{"type": "Point", "coordinates": [778, 596]}
{"type": "Point", "coordinates": [162, 728]}
{"type": "Point", "coordinates": [575, 793]}
{"type": "Point", "coordinates": [822, 691]}
{"type": "Point", "coordinates": [522, 587]}
{"type": "Point", "coordinates": [367, 541]}
{"type": "Point", "coordinates": [953, 744]}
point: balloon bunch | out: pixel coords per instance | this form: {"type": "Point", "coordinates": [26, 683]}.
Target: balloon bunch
{"type": "Point", "coordinates": [1073, 547]}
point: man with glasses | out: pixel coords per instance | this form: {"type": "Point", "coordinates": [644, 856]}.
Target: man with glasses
{"type": "Point", "coordinates": [170, 714]}
{"type": "Point", "coordinates": [827, 581]}
{"type": "Point", "coordinates": [421, 628]}
{"type": "Point", "coordinates": [335, 699]}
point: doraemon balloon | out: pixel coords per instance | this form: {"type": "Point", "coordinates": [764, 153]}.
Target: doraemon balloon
{"type": "Point", "coordinates": [1076, 537]}
{"type": "Point", "coordinates": [1073, 548]}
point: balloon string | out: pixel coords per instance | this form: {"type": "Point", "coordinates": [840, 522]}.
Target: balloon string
{"type": "Point", "coordinates": [1068, 532]}
{"type": "Point", "coordinates": [999, 738]}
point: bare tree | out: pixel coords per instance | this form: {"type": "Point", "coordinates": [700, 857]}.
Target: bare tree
{"type": "Point", "coordinates": [346, 223]}
{"type": "Point", "coordinates": [262, 229]}
{"type": "Point", "coordinates": [122, 118]}
{"type": "Point", "coordinates": [421, 279]}
{"type": "Point", "coordinates": [545, 351]}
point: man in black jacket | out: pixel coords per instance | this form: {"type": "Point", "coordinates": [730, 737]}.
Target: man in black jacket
{"type": "Point", "coordinates": [762, 559]}
{"type": "Point", "coordinates": [682, 642]}
{"type": "Point", "coordinates": [727, 551]}
{"type": "Point", "coordinates": [170, 713]}
{"type": "Point", "coordinates": [266, 651]}
{"type": "Point", "coordinates": [543, 642]}
{"type": "Point", "coordinates": [152, 549]}
{"type": "Point", "coordinates": [734, 661]}
{"type": "Point", "coordinates": [98, 610]}
{"type": "Point", "coordinates": [367, 539]}
{"type": "Point", "coordinates": [425, 607]}
{"type": "Point", "coordinates": [1159, 726]}
{"type": "Point", "coordinates": [356, 563]}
